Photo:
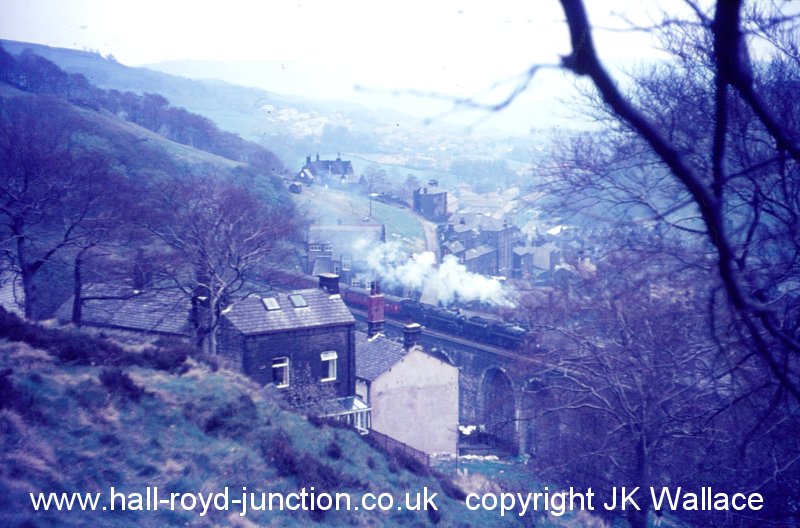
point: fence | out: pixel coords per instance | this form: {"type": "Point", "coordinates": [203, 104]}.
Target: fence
{"type": "Point", "coordinates": [389, 444]}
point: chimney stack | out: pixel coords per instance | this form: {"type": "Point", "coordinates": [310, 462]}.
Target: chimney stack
{"type": "Point", "coordinates": [375, 310]}
{"type": "Point", "coordinates": [411, 335]}
{"type": "Point", "coordinates": [329, 282]}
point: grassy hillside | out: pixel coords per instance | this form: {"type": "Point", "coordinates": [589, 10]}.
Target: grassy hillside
{"type": "Point", "coordinates": [134, 147]}
{"type": "Point", "coordinates": [79, 414]}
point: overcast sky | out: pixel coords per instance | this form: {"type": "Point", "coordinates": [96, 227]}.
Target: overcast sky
{"type": "Point", "coordinates": [457, 48]}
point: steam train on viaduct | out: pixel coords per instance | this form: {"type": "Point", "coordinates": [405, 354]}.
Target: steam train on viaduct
{"type": "Point", "coordinates": [474, 327]}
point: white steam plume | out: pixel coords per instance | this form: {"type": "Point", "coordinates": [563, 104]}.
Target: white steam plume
{"type": "Point", "coordinates": [448, 281]}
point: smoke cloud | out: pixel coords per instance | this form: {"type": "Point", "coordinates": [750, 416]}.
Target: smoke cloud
{"type": "Point", "coordinates": [449, 281]}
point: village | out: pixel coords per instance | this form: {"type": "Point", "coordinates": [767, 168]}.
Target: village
{"type": "Point", "coordinates": [322, 335]}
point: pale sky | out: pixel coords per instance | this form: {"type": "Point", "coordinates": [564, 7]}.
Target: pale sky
{"type": "Point", "coordinates": [457, 48]}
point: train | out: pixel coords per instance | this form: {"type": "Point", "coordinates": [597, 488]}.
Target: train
{"type": "Point", "coordinates": [475, 327]}
{"type": "Point", "coordinates": [472, 327]}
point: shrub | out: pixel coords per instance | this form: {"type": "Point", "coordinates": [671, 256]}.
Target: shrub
{"type": "Point", "coordinates": [334, 450]}
{"type": "Point", "coordinates": [233, 420]}
{"type": "Point", "coordinates": [168, 359]}
{"type": "Point", "coordinates": [277, 451]}
{"type": "Point", "coordinates": [450, 489]}
{"type": "Point", "coordinates": [120, 384]}
{"type": "Point", "coordinates": [434, 515]}
{"type": "Point", "coordinates": [68, 346]}
{"type": "Point", "coordinates": [15, 397]}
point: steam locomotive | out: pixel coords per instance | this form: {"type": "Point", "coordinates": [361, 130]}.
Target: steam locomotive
{"type": "Point", "coordinates": [476, 328]}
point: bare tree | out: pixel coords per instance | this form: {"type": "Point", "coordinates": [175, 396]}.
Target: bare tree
{"type": "Point", "coordinates": [52, 187]}
{"type": "Point", "coordinates": [216, 236]}
{"type": "Point", "coordinates": [639, 391]}
{"type": "Point", "coordinates": [741, 175]}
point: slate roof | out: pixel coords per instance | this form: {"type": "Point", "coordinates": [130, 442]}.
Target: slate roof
{"type": "Point", "coordinates": [478, 252]}
{"type": "Point", "coordinates": [250, 316]}
{"type": "Point", "coordinates": [478, 222]}
{"type": "Point", "coordinates": [375, 356]}
{"type": "Point", "coordinates": [163, 312]}
{"type": "Point", "coordinates": [337, 167]}
{"type": "Point", "coordinates": [455, 247]}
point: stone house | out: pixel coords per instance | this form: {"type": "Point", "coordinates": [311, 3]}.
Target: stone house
{"type": "Point", "coordinates": [431, 204]}
{"type": "Point", "coordinates": [335, 173]}
{"type": "Point", "coordinates": [483, 243]}
{"type": "Point", "coordinates": [303, 337]}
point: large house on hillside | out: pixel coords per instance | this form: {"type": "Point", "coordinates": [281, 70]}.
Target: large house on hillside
{"type": "Point", "coordinates": [334, 173]}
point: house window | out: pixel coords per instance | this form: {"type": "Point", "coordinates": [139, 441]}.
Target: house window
{"type": "Point", "coordinates": [315, 247]}
{"type": "Point", "coordinates": [346, 262]}
{"type": "Point", "coordinates": [355, 282]}
{"type": "Point", "coordinates": [329, 365]}
{"type": "Point", "coordinates": [280, 372]}
{"type": "Point", "coordinates": [336, 268]}
{"type": "Point", "coordinates": [327, 247]}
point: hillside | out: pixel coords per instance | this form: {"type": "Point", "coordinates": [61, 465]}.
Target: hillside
{"type": "Point", "coordinates": [292, 126]}
{"type": "Point", "coordinates": [80, 414]}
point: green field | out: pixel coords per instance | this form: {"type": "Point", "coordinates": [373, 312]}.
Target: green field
{"type": "Point", "coordinates": [328, 206]}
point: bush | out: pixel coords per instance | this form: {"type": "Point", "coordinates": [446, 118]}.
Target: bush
{"type": "Point", "coordinates": [68, 346]}
{"type": "Point", "coordinates": [450, 489]}
{"type": "Point", "coordinates": [334, 450]}
{"type": "Point", "coordinates": [167, 359]}
{"type": "Point", "coordinates": [434, 515]}
{"type": "Point", "coordinates": [120, 384]}
{"type": "Point", "coordinates": [277, 451]}
{"type": "Point", "coordinates": [233, 420]}
{"type": "Point", "coordinates": [15, 397]}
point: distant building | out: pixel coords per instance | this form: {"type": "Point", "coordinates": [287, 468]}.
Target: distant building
{"type": "Point", "coordinates": [482, 243]}
{"type": "Point", "coordinates": [535, 262]}
{"type": "Point", "coordinates": [342, 250]}
{"type": "Point", "coordinates": [431, 204]}
{"type": "Point", "coordinates": [335, 173]}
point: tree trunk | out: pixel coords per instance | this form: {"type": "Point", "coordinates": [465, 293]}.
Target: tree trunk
{"type": "Point", "coordinates": [77, 294]}
{"type": "Point", "coordinates": [638, 518]}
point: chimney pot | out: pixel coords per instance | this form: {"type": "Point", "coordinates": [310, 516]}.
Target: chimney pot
{"type": "Point", "coordinates": [411, 335]}
{"type": "Point", "coordinates": [329, 282]}
{"type": "Point", "coordinates": [375, 310]}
